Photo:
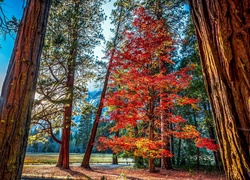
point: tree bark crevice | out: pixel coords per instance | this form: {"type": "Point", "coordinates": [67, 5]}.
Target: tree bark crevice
{"type": "Point", "coordinates": [19, 88]}
{"type": "Point", "coordinates": [224, 48]}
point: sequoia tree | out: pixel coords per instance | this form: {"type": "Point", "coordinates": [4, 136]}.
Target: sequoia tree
{"type": "Point", "coordinates": [223, 35]}
{"type": "Point", "coordinates": [19, 88]}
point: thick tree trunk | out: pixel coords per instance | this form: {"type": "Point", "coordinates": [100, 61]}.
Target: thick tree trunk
{"type": "Point", "coordinates": [224, 41]}
{"type": "Point", "coordinates": [19, 88]}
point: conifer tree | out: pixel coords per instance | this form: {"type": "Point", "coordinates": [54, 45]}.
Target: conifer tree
{"type": "Point", "coordinates": [118, 19]}
{"type": "Point", "coordinates": [67, 65]}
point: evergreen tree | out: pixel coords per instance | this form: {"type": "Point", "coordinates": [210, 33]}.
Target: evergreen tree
{"type": "Point", "coordinates": [118, 19]}
{"type": "Point", "coordinates": [67, 65]}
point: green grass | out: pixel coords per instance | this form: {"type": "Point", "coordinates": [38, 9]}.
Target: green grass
{"type": "Point", "coordinates": [51, 158]}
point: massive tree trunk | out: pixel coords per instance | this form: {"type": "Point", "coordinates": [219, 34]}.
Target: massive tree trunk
{"type": "Point", "coordinates": [19, 88]}
{"type": "Point", "coordinates": [223, 33]}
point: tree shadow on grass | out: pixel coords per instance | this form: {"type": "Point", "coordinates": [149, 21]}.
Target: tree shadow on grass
{"type": "Point", "coordinates": [76, 173]}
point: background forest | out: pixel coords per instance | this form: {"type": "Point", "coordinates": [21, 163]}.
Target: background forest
{"type": "Point", "coordinates": [144, 99]}
{"type": "Point", "coordinates": [68, 66]}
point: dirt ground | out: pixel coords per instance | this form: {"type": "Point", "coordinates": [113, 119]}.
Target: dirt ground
{"type": "Point", "coordinates": [114, 172]}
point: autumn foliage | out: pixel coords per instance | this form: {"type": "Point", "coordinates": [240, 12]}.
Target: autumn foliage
{"type": "Point", "coordinates": [143, 93]}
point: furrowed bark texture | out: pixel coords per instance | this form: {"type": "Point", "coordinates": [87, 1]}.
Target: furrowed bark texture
{"type": "Point", "coordinates": [223, 33]}
{"type": "Point", "coordinates": [19, 88]}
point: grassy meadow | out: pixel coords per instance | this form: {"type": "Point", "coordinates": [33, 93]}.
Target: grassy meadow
{"type": "Point", "coordinates": [51, 158]}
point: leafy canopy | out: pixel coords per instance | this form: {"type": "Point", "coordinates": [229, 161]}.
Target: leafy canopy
{"type": "Point", "coordinates": [143, 94]}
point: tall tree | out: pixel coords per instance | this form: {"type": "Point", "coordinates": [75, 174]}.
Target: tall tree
{"type": "Point", "coordinates": [19, 88]}
{"type": "Point", "coordinates": [138, 84]}
{"type": "Point", "coordinates": [222, 29]}
{"type": "Point", "coordinates": [118, 21]}
{"type": "Point", "coordinates": [67, 65]}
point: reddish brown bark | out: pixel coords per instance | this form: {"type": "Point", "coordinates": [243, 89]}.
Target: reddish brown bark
{"type": "Point", "coordinates": [19, 88]}
{"type": "Point", "coordinates": [224, 41]}
{"type": "Point", "coordinates": [86, 159]}
{"type": "Point", "coordinates": [63, 160]}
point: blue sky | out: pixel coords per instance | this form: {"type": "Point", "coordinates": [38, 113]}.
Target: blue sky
{"type": "Point", "coordinates": [10, 8]}
{"type": "Point", "coordinates": [15, 8]}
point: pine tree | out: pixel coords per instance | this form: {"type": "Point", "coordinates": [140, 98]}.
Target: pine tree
{"type": "Point", "coordinates": [67, 65]}
{"type": "Point", "coordinates": [118, 19]}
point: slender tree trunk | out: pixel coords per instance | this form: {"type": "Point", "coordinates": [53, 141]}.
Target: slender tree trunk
{"type": "Point", "coordinates": [86, 159]}
{"type": "Point", "coordinates": [179, 152]}
{"type": "Point", "coordinates": [151, 164]}
{"type": "Point", "coordinates": [115, 158]}
{"type": "Point", "coordinates": [19, 88]}
{"type": "Point", "coordinates": [172, 148]}
{"type": "Point", "coordinates": [60, 157]}
{"type": "Point", "coordinates": [138, 160]}
{"type": "Point", "coordinates": [166, 161]}
{"type": "Point", "coordinates": [211, 132]}
{"type": "Point", "coordinates": [63, 160]}
{"type": "Point", "coordinates": [224, 41]}
{"type": "Point", "coordinates": [197, 149]}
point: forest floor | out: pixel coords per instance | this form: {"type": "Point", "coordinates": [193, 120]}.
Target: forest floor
{"type": "Point", "coordinates": [114, 172]}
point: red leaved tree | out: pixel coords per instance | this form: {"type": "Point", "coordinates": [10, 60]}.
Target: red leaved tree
{"type": "Point", "coordinates": [143, 95]}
